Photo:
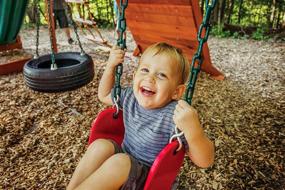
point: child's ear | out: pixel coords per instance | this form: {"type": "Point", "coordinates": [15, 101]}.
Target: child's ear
{"type": "Point", "coordinates": [179, 92]}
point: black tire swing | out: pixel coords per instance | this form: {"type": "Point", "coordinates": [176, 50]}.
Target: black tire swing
{"type": "Point", "coordinates": [57, 72]}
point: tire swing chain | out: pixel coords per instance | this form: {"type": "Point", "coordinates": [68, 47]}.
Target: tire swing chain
{"type": "Point", "coordinates": [38, 17]}
{"type": "Point", "coordinates": [121, 42]}
{"type": "Point", "coordinates": [82, 53]}
{"type": "Point", "coordinates": [53, 64]}
{"type": "Point", "coordinates": [196, 63]}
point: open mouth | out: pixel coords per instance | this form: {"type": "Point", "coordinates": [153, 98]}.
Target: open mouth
{"type": "Point", "coordinates": [147, 91]}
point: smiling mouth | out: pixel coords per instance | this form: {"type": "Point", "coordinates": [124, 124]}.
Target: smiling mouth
{"type": "Point", "coordinates": [147, 91]}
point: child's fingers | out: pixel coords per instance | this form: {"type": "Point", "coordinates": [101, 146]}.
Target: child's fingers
{"type": "Point", "coordinates": [120, 56]}
{"type": "Point", "coordinates": [185, 106]}
{"type": "Point", "coordinates": [178, 109]}
{"type": "Point", "coordinates": [119, 51]}
{"type": "Point", "coordinates": [115, 47]}
{"type": "Point", "coordinates": [183, 103]}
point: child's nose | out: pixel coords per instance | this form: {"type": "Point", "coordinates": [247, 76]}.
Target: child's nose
{"type": "Point", "coordinates": [150, 78]}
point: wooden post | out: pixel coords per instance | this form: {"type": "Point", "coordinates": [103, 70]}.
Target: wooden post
{"type": "Point", "coordinates": [51, 24]}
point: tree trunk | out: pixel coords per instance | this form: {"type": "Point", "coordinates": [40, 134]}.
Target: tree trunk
{"type": "Point", "coordinates": [278, 19]}
{"type": "Point", "coordinates": [231, 8]}
{"type": "Point", "coordinates": [109, 11]}
{"type": "Point", "coordinates": [112, 11]}
{"type": "Point", "coordinates": [240, 10]}
{"type": "Point", "coordinates": [215, 17]}
{"type": "Point", "coordinates": [268, 15]}
{"type": "Point", "coordinates": [98, 10]}
{"type": "Point", "coordinates": [251, 8]}
{"type": "Point", "coordinates": [283, 22]}
{"type": "Point", "coordinates": [31, 12]}
{"type": "Point", "coordinates": [222, 11]}
{"type": "Point", "coordinates": [273, 11]}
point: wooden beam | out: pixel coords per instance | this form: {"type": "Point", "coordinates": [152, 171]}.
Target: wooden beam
{"type": "Point", "coordinates": [51, 24]}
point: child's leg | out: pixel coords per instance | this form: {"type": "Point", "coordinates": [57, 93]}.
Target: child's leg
{"type": "Point", "coordinates": [99, 151]}
{"type": "Point", "coordinates": [111, 175]}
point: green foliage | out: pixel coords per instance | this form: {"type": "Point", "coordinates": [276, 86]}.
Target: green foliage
{"type": "Point", "coordinates": [259, 34]}
{"type": "Point", "coordinates": [217, 30]}
{"type": "Point", "coordinates": [244, 13]}
{"type": "Point", "coordinates": [236, 35]}
{"type": "Point", "coordinates": [27, 25]}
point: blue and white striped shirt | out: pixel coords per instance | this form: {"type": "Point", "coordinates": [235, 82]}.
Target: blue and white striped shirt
{"type": "Point", "coordinates": [147, 131]}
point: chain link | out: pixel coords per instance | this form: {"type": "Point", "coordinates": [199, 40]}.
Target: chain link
{"type": "Point", "coordinates": [53, 64]}
{"type": "Point", "coordinates": [121, 42]}
{"type": "Point", "coordinates": [75, 29]}
{"type": "Point", "coordinates": [38, 20]}
{"type": "Point", "coordinates": [197, 59]}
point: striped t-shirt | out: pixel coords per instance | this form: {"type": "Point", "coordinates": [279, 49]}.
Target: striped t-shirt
{"type": "Point", "coordinates": [147, 131]}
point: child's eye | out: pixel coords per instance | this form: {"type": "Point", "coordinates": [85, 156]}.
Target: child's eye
{"type": "Point", "coordinates": [161, 76]}
{"type": "Point", "coordinates": [144, 70]}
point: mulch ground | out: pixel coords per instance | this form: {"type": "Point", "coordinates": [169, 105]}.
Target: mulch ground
{"type": "Point", "coordinates": [43, 135]}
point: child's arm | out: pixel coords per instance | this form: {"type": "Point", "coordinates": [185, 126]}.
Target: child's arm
{"type": "Point", "coordinates": [107, 81]}
{"type": "Point", "coordinates": [201, 149]}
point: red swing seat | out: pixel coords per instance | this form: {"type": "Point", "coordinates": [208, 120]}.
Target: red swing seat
{"type": "Point", "coordinates": [165, 167]}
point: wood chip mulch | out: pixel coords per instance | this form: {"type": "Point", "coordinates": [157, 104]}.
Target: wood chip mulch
{"type": "Point", "coordinates": [43, 135]}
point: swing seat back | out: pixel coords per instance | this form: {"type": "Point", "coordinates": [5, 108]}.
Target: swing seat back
{"type": "Point", "coordinates": [165, 167]}
{"type": "Point", "coordinates": [106, 127]}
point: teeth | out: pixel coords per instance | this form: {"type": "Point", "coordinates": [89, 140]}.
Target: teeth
{"type": "Point", "coordinates": [146, 88]}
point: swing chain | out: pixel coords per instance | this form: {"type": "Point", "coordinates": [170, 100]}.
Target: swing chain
{"type": "Point", "coordinates": [121, 42]}
{"type": "Point", "coordinates": [122, 25]}
{"type": "Point", "coordinates": [38, 20]}
{"type": "Point", "coordinates": [53, 64]}
{"type": "Point", "coordinates": [197, 59]}
{"type": "Point", "coordinates": [75, 29]}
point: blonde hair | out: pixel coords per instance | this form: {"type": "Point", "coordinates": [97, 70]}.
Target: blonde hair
{"type": "Point", "coordinates": [174, 53]}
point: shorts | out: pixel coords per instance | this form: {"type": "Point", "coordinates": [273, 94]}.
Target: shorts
{"type": "Point", "coordinates": [138, 173]}
{"type": "Point", "coordinates": [60, 16]}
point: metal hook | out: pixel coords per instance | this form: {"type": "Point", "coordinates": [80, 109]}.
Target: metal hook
{"type": "Point", "coordinates": [116, 100]}
{"type": "Point", "coordinates": [177, 136]}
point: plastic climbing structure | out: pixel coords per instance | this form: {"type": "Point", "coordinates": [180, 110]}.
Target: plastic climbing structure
{"type": "Point", "coordinates": [175, 22]}
{"type": "Point", "coordinates": [11, 17]}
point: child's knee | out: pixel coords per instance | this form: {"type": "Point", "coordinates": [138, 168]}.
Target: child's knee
{"type": "Point", "coordinates": [101, 145]}
{"type": "Point", "coordinates": [119, 162]}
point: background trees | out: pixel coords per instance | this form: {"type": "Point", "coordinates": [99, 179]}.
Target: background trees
{"type": "Point", "coordinates": [266, 14]}
{"type": "Point", "coordinates": [230, 17]}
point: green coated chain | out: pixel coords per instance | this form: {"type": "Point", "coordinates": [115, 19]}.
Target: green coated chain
{"type": "Point", "coordinates": [121, 42]}
{"type": "Point", "coordinates": [53, 64]}
{"type": "Point", "coordinates": [38, 19]}
{"type": "Point", "coordinates": [75, 29]}
{"type": "Point", "coordinates": [197, 59]}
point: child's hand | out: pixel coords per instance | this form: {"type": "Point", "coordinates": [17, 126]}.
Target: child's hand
{"type": "Point", "coordinates": [186, 119]}
{"type": "Point", "coordinates": [116, 57]}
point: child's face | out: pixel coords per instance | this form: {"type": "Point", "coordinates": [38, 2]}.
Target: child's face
{"type": "Point", "coordinates": [156, 81]}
